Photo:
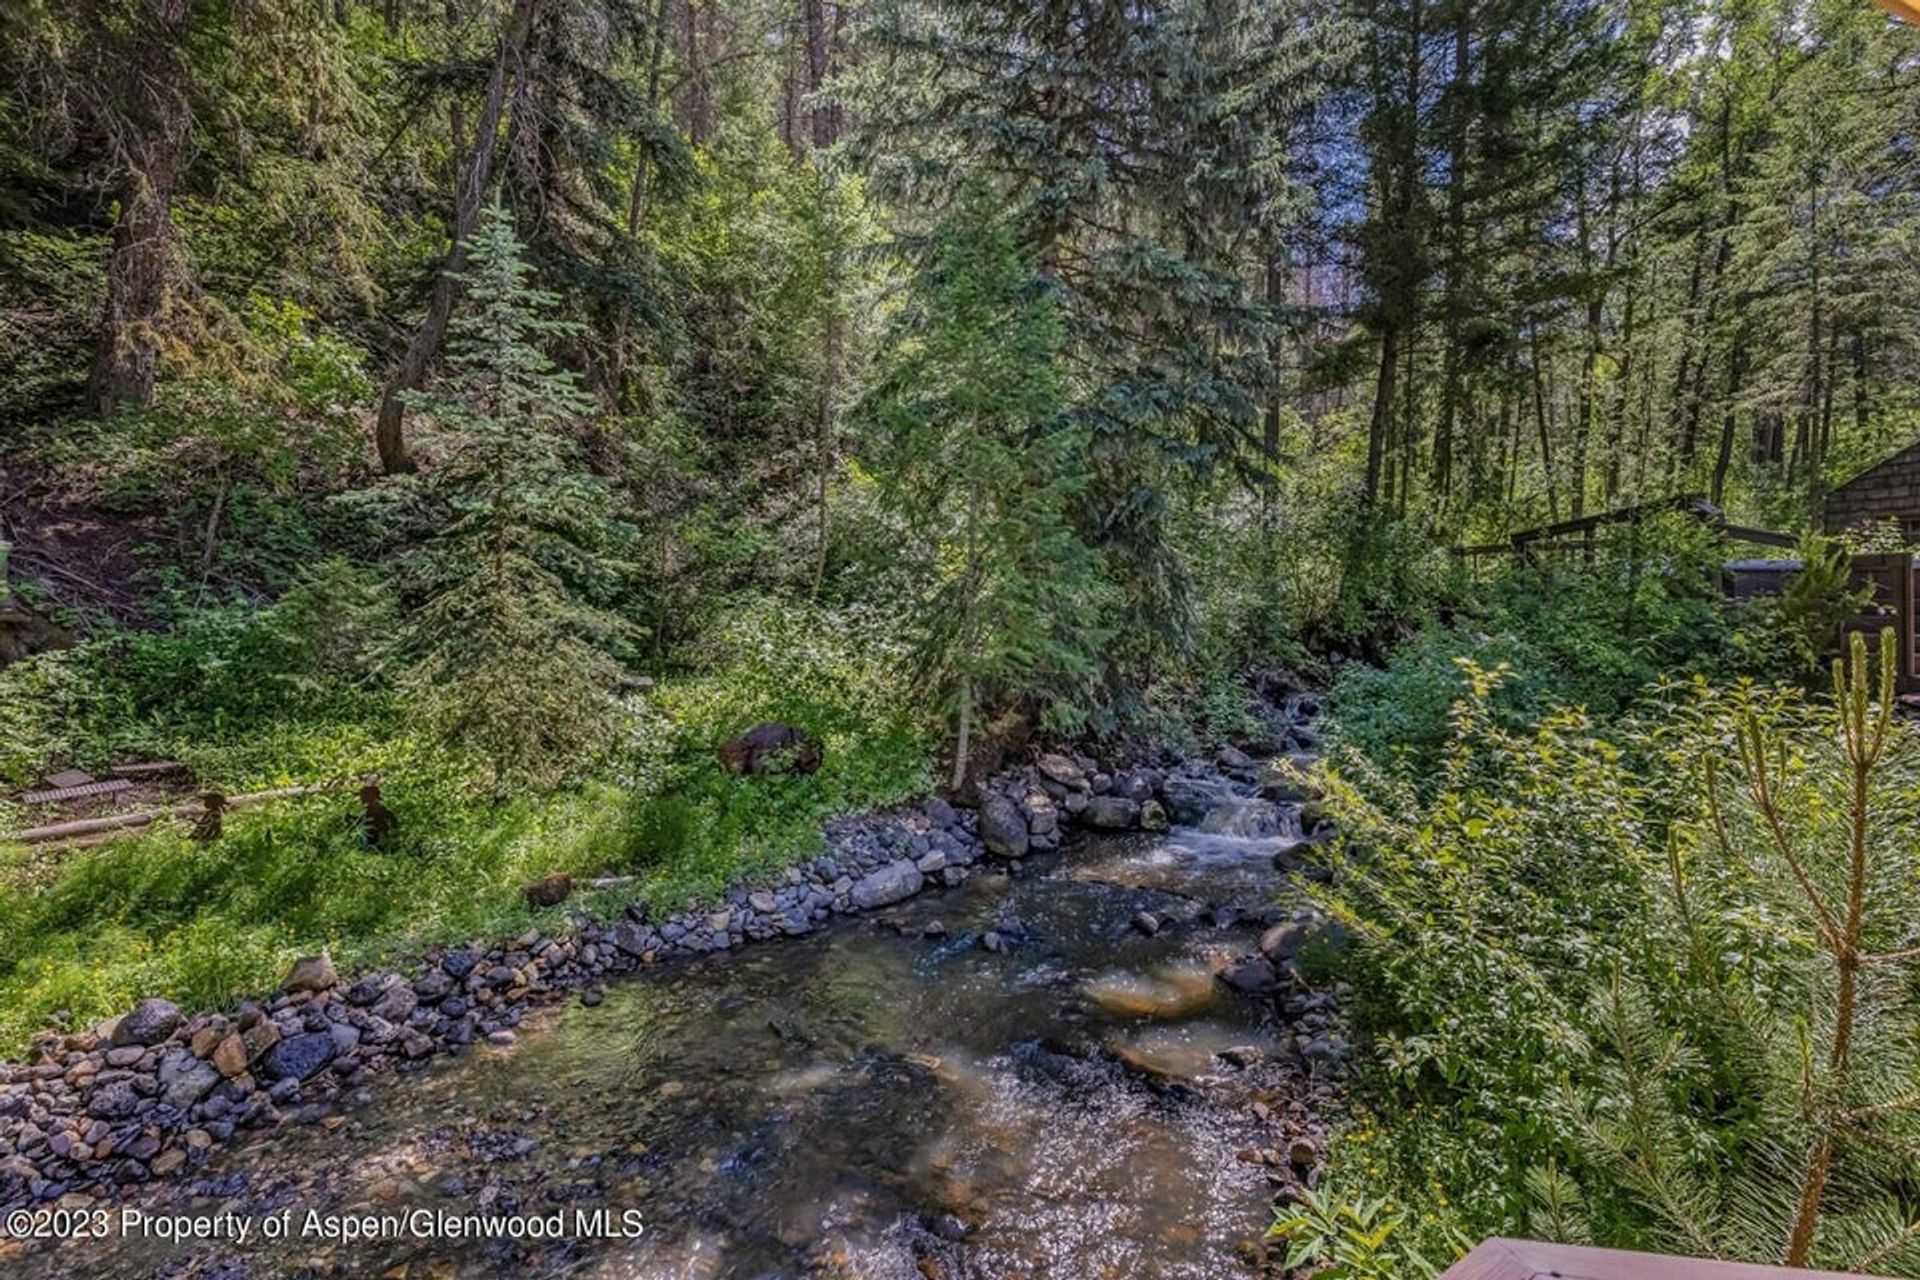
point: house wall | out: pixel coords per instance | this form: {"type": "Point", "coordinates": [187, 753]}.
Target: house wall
{"type": "Point", "coordinates": [1887, 489]}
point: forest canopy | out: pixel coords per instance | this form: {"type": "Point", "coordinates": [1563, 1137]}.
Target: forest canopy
{"type": "Point", "coordinates": [514, 406]}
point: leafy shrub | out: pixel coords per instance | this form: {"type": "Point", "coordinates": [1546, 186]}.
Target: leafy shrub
{"type": "Point", "coordinates": [1587, 635]}
{"type": "Point", "coordinates": [1358, 580]}
{"type": "Point", "coordinates": [1789, 636]}
{"type": "Point", "coordinates": [1347, 1239]}
{"type": "Point", "coordinates": [1605, 979]}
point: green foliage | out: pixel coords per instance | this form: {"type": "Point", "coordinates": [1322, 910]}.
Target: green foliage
{"type": "Point", "coordinates": [216, 675]}
{"type": "Point", "coordinates": [1329, 1235]}
{"type": "Point", "coordinates": [1790, 635]}
{"type": "Point", "coordinates": [1361, 579]}
{"type": "Point", "coordinates": [510, 651]}
{"type": "Point", "coordinates": [1603, 979]}
{"type": "Point", "coordinates": [1591, 635]}
{"type": "Point", "coordinates": [976, 449]}
{"type": "Point", "coordinates": [89, 930]}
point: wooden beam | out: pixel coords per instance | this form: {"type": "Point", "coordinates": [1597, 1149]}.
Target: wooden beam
{"type": "Point", "coordinates": [1500, 1259]}
{"type": "Point", "coordinates": [1907, 11]}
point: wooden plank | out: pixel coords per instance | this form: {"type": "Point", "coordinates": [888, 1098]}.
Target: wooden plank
{"type": "Point", "coordinates": [148, 769]}
{"type": "Point", "coordinates": [82, 827]}
{"type": "Point", "coordinates": [79, 791]}
{"type": "Point", "coordinates": [1760, 537]}
{"type": "Point", "coordinates": [1504, 1259]}
{"type": "Point", "coordinates": [67, 778]}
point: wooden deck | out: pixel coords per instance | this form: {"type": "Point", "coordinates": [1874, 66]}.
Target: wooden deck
{"type": "Point", "coordinates": [1501, 1259]}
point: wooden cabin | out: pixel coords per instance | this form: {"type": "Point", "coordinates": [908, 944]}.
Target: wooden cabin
{"type": "Point", "coordinates": [1885, 496]}
{"type": "Point", "coordinates": [1888, 492]}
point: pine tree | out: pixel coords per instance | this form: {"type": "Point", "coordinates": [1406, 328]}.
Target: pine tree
{"type": "Point", "coordinates": [977, 451]}
{"type": "Point", "coordinates": [510, 643]}
{"type": "Point", "coordinates": [1809, 1023]}
{"type": "Point", "coordinates": [1148, 156]}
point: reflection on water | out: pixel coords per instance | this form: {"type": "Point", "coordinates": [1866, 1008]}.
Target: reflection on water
{"type": "Point", "coordinates": [870, 1102]}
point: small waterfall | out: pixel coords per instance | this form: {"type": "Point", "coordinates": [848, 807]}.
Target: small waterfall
{"type": "Point", "coordinates": [1249, 818]}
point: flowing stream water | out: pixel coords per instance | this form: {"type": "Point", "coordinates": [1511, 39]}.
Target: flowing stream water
{"type": "Point", "coordinates": [896, 1097]}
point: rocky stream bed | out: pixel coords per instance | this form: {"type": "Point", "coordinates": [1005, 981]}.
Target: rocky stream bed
{"type": "Point", "coordinates": [1016, 1062]}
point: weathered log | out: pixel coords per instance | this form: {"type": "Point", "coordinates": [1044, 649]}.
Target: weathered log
{"type": "Point", "coordinates": [142, 817]}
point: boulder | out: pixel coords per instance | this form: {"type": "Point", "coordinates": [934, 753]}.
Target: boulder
{"type": "Point", "coordinates": [1285, 782]}
{"type": "Point", "coordinates": [1188, 798]}
{"type": "Point", "coordinates": [240, 1050]}
{"type": "Point", "coordinates": [771, 747]}
{"type": "Point", "coordinates": [299, 1057]}
{"type": "Point", "coordinates": [370, 987]}
{"type": "Point", "coordinates": [634, 939]}
{"type": "Point", "coordinates": [1059, 769]}
{"type": "Point", "coordinates": [1153, 817]}
{"type": "Point", "coordinates": [115, 1101]}
{"type": "Point", "coordinates": [1042, 818]}
{"type": "Point", "coordinates": [312, 973]}
{"type": "Point", "coordinates": [550, 892]}
{"type": "Point", "coordinates": [397, 1004]}
{"type": "Point", "coordinates": [1290, 937]}
{"type": "Point", "coordinates": [1113, 813]}
{"type": "Point", "coordinates": [1003, 829]}
{"type": "Point", "coordinates": [1254, 976]}
{"type": "Point", "coordinates": [150, 1022]}
{"type": "Point", "coordinates": [1233, 760]}
{"type": "Point", "coordinates": [892, 883]}
{"type": "Point", "coordinates": [1285, 939]}
{"type": "Point", "coordinates": [184, 1080]}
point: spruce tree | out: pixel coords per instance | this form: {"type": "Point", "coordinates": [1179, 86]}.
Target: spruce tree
{"type": "Point", "coordinates": [1150, 155]}
{"type": "Point", "coordinates": [977, 452]}
{"type": "Point", "coordinates": [510, 646]}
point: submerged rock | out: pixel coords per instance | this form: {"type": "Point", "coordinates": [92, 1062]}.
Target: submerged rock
{"type": "Point", "coordinates": [1113, 813]}
{"type": "Point", "coordinates": [890, 884]}
{"type": "Point", "coordinates": [1253, 976]}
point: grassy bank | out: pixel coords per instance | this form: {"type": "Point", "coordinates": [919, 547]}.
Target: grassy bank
{"type": "Point", "coordinates": [89, 930]}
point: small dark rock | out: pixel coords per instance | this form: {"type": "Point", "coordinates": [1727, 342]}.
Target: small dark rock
{"type": "Point", "coordinates": [150, 1022]}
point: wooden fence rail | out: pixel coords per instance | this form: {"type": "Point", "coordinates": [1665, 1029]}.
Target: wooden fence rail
{"type": "Point", "coordinates": [204, 812]}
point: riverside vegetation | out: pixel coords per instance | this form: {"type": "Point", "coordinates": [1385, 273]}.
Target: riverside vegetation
{"type": "Point", "coordinates": [518, 399]}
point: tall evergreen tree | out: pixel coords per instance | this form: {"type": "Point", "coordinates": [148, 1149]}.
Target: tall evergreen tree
{"type": "Point", "coordinates": [510, 649]}
{"type": "Point", "coordinates": [977, 452]}
{"type": "Point", "coordinates": [1144, 154]}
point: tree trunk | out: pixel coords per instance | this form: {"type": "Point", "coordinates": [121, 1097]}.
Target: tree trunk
{"type": "Point", "coordinates": [473, 181]}
{"type": "Point", "coordinates": [823, 442]}
{"type": "Point", "coordinates": [1380, 428]}
{"type": "Point", "coordinates": [1540, 422]}
{"type": "Point", "coordinates": [1455, 305]}
{"type": "Point", "coordinates": [1736, 368]}
{"type": "Point", "coordinates": [142, 264]}
{"type": "Point", "coordinates": [964, 729]}
{"type": "Point", "coordinates": [819, 63]}
{"type": "Point", "coordinates": [636, 212]}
